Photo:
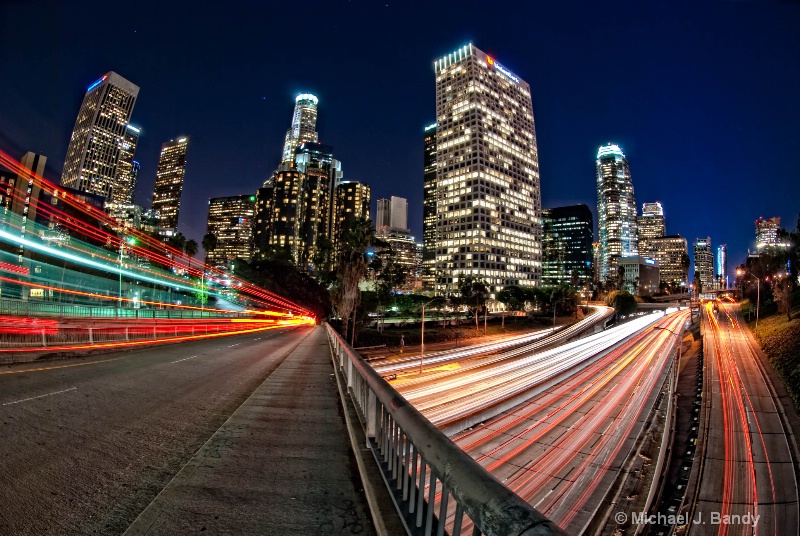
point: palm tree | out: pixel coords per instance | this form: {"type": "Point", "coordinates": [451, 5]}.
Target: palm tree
{"type": "Point", "coordinates": [351, 269]}
{"type": "Point", "coordinates": [190, 248]}
{"type": "Point", "coordinates": [209, 243]}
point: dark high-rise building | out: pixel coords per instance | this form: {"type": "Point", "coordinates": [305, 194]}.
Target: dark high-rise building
{"type": "Point", "coordinates": [487, 175]}
{"type": "Point", "coordinates": [98, 138]}
{"type": "Point", "coordinates": [230, 219]}
{"type": "Point", "coordinates": [351, 202]}
{"type": "Point", "coordinates": [616, 211]}
{"type": "Point", "coordinates": [429, 210]}
{"type": "Point", "coordinates": [169, 184]}
{"type": "Point", "coordinates": [567, 245]}
{"type": "Point", "coordinates": [704, 262]}
{"type": "Point", "coordinates": [127, 169]}
{"type": "Point", "coordinates": [263, 217]}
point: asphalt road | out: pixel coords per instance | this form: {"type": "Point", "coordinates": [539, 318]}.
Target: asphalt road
{"type": "Point", "coordinates": [748, 483]}
{"type": "Point", "coordinates": [88, 443]}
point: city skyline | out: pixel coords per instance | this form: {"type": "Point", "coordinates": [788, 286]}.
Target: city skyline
{"type": "Point", "coordinates": [652, 123]}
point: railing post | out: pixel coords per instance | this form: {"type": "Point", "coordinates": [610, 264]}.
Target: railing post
{"type": "Point", "coordinates": [127, 337]}
{"type": "Point", "coordinates": [44, 339]}
{"type": "Point", "coordinates": [91, 336]}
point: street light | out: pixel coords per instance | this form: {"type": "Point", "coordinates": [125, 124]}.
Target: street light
{"type": "Point", "coordinates": [422, 332]}
{"type": "Point", "coordinates": [741, 272]}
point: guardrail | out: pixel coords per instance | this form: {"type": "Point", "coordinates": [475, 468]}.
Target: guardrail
{"type": "Point", "coordinates": [30, 308]}
{"type": "Point", "coordinates": [415, 457]}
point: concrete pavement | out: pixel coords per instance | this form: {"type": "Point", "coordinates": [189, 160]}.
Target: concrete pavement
{"type": "Point", "coordinates": [281, 464]}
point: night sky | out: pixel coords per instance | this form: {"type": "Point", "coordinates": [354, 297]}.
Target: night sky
{"type": "Point", "coordinates": [703, 97]}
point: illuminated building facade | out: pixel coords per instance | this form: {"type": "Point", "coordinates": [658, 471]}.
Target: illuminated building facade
{"type": "Point", "coordinates": [616, 211]}
{"type": "Point", "coordinates": [169, 184]}
{"type": "Point", "coordinates": [98, 138]}
{"type": "Point", "coordinates": [721, 273]}
{"type": "Point", "coordinates": [230, 219]}
{"type": "Point", "coordinates": [351, 202]}
{"type": "Point", "coordinates": [767, 232]}
{"type": "Point", "coordinates": [304, 124]}
{"type": "Point", "coordinates": [127, 169]}
{"type": "Point", "coordinates": [567, 245]}
{"type": "Point", "coordinates": [262, 217]}
{"type": "Point", "coordinates": [672, 254]}
{"type": "Point", "coordinates": [287, 210]}
{"type": "Point", "coordinates": [487, 175]}
{"type": "Point", "coordinates": [429, 209]}
{"type": "Point", "coordinates": [704, 262]}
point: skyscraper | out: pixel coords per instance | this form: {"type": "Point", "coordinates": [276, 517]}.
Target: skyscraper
{"type": "Point", "coordinates": [487, 175]}
{"type": "Point", "coordinates": [169, 184]}
{"type": "Point", "coordinates": [567, 245]}
{"type": "Point", "coordinates": [230, 219]}
{"type": "Point", "coordinates": [616, 210]}
{"type": "Point", "coordinates": [351, 202]}
{"type": "Point", "coordinates": [392, 213]}
{"type": "Point", "coordinates": [287, 210]}
{"type": "Point", "coordinates": [767, 232]}
{"type": "Point", "coordinates": [672, 254]}
{"type": "Point", "coordinates": [304, 124]}
{"type": "Point", "coordinates": [704, 262]}
{"type": "Point", "coordinates": [722, 267]}
{"type": "Point", "coordinates": [127, 169]}
{"type": "Point", "coordinates": [429, 209]}
{"type": "Point", "coordinates": [98, 137]}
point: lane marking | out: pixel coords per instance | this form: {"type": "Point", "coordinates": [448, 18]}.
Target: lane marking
{"type": "Point", "coordinates": [39, 369]}
{"type": "Point", "coordinates": [40, 396]}
{"type": "Point", "coordinates": [185, 358]}
{"type": "Point", "coordinates": [232, 345]}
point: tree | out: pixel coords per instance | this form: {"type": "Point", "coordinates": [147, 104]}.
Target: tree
{"type": "Point", "coordinates": [190, 248]}
{"type": "Point", "coordinates": [322, 261]}
{"type": "Point", "coordinates": [474, 293]}
{"type": "Point", "coordinates": [178, 241]}
{"type": "Point", "coordinates": [622, 301]}
{"type": "Point", "coordinates": [782, 290]}
{"type": "Point", "coordinates": [698, 283]}
{"type": "Point", "coordinates": [209, 243]}
{"type": "Point", "coordinates": [513, 297]}
{"type": "Point", "coordinates": [351, 269]}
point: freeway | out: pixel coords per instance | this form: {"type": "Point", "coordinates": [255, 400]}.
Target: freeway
{"type": "Point", "coordinates": [747, 478]}
{"type": "Point", "coordinates": [586, 403]}
{"type": "Point", "coordinates": [87, 443]}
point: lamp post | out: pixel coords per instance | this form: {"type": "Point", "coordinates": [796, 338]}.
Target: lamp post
{"type": "Point", "coordinates": [741, 272]}
{"type": "Point", "coordinates": [422, 333]}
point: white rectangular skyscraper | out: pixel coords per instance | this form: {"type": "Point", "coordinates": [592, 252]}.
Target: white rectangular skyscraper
{"type": "Point", "coordinates": [487, 175]}
{"type": "Point", "coordinates": [98, 137]}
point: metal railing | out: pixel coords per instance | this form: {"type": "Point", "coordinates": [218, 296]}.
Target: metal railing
{"type": "Point", "coordinates": [46, 336]}
{"type": "Point", "coordinates": [437, 488]}
{"type": "Point", "coordinates": [31, 308]}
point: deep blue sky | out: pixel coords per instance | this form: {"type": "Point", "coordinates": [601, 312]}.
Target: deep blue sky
{"type": "Point", "coordinates": [703, 97]}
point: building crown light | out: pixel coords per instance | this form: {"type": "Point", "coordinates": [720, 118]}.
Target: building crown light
{"type": "Point", "coordinates": [609, 150]}
{"type": "Point", "coordinates": [133, 128]}
{"type": "Point", "coordinates": [306, 96]}
{"type": "Point", "coordinates": [431, 127]}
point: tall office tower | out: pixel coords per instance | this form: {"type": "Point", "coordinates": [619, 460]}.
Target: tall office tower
{"type": "Point", "coordinates": [321, 173]}
{"type": "Point", "coordinates": [429, 210]}
{"type": "Point", "coordinates": [287, 210]}
{"type": "Point", "coordinates": [767, 232]}
{"type": "Point", "coordinates": [567, 245]}
{"type": "Point", "coordinates": [98, 138]}
{"type": "Point", "coordinates": [392, 213]}
{"type": "Point", "coordinates": [230, 219]}
{"type": "Point", "coordinates": [487, 175]}
{"type": "Point", "coordinates": [704, 262]}
{"type": "Point", "coordinates": [672, 254]}
{"type": "Point", "coordinates": [595, 262]}
{"type": "Point", "coordinates": [722, 267]}
{"type": "Point", "coordinates": [127, 169]}
{"type": "Point", "coordinates": [262, 217]}
{"type": "Point", "coordinates": [304, 124]}
{"type": "Point", "coordinates": [351, 202]}
{"type": "Point", "coordinates": [616, 211]}
{"type": "Point", "coordinates": [169, 184]}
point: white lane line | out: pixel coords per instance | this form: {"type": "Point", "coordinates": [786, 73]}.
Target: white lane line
{"type": "Point", "coordinates": [40, 396]}
{"type": "Point", "coordinates": [184, 359]}
{"type": "Point", "coordinates": [232, 345]}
